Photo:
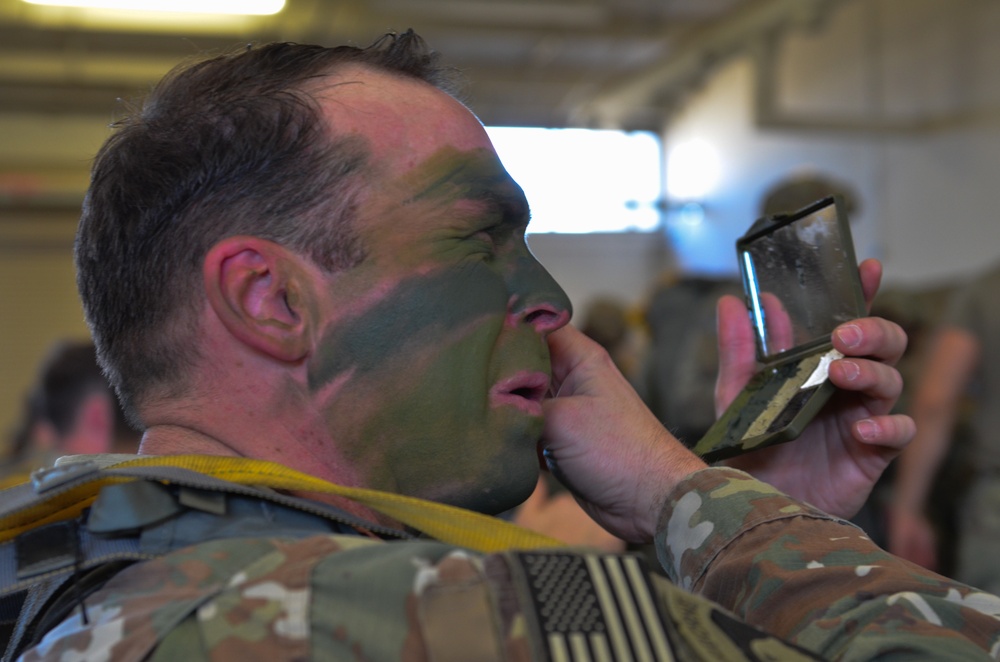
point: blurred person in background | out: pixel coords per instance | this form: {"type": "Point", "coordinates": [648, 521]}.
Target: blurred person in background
{"type": "Point", "coordinates": [677, 376]}
{"type": "Point", "coordinates": [70, 410]}
{"type": "Point", "coordinates": [960, 379]}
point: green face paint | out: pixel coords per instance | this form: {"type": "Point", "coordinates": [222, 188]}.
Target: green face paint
{"type": "Point", "coordinates": [434, 365]}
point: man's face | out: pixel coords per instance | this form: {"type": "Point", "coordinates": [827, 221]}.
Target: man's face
{"type": "Point", "coordinates": [434, 362]}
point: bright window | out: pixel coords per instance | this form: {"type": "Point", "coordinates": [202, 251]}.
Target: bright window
{"type": "Point", "coordinates": [583, 180]}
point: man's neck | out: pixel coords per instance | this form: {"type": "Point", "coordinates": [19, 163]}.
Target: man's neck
{"type": "Point", "coordinates": [171, 439]}
{"type": "Point", "coordinates": [167, 439]}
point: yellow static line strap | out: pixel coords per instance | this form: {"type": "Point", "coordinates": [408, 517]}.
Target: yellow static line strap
{"type": "Point", "coordinates": [14, 479]}
{"type": "Point", "coordinates": [448, 524]}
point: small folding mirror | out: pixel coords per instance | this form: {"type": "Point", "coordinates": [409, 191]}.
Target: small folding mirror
{"type": "Point", "coordinates": [800, 281]}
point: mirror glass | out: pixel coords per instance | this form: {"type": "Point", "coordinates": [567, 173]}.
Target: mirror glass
{"type": "Point", "coordinates": [797, 281]}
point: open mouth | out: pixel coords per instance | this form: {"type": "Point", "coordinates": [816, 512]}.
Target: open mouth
{"type": "Point", "coordinates": [524, 390]}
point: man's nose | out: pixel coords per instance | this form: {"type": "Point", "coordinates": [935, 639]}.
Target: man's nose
{"type": "Point", "coordinates": [538, 300]}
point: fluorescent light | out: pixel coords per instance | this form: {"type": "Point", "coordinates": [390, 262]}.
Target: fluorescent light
{"type": "Point", "coordinates": [254, 7]}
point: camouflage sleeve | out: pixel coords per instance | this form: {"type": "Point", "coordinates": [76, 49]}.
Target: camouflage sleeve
{"type": "Point", "coordinates": [814, 580]}
{"type": "Point", "coordinates": [351, 598]}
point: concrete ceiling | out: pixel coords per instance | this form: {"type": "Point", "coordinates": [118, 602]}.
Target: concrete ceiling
{"type": "Point", "coordinates": [528, 62]}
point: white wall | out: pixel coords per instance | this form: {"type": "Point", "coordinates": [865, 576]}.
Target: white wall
{"type": "Point", "coordinates": [927, 197]}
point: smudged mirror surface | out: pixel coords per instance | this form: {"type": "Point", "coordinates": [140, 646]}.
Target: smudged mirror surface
{"type": "Point", "coordinates": [798, 281]}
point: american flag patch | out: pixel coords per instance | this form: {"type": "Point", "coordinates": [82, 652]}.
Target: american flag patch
{"type": "Point", "coordinates": [594, 607]}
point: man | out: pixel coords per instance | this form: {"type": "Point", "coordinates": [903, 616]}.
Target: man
{"type": "Point", "coordinates": [314, 256]}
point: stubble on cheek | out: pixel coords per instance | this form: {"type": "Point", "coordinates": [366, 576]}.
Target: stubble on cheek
{"type": "Point", "coordinates": [412, 370]}
{"type": "Point", "coordinates": [419, 418]}
{"type": "Point", "coordinates": [420, 311]}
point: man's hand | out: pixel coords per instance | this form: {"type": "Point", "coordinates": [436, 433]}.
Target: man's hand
{"type": "Point", "coordinates": [602, 442]}
{"type": "Point", "coordinates": [837, 459]}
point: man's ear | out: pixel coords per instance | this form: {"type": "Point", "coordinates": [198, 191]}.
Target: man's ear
{"type": "Point", "coordinates": [260, 291]}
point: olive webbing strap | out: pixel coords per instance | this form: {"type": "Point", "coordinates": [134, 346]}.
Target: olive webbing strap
{"type": "Point", "coordinates": [448, 524]}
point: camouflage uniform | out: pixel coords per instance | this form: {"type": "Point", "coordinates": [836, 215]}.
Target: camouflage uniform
{"type": "Point", "coordinates": [303, 594]}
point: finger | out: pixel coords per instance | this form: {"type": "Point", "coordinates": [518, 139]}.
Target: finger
{"type": "Point", "coordinates": [871, 336]}
{"type": "Point", "coordinates": [567, 350]}
{"type": "Point", "coordinates": [893, 431]}
{"type": "Point", "coordinates": [737, 351]}
{"type": "Point", "coordinates": [870, 271]}
{"type": "Point", "coordinates": [871, 378]}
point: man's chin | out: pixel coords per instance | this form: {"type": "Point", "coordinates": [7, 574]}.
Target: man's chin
{"type": "Point", "coordinates": [502, 495]}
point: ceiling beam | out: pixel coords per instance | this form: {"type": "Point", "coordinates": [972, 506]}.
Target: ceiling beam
{"type": "Point", "coordinates": [694, 56]}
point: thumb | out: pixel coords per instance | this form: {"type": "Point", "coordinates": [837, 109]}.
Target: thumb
{"type": "Point", "coordinates": [569, 350]}
{"type": "Point", "coordinates": [737, 350]}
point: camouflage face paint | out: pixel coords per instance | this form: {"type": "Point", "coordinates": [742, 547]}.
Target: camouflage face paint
{"type": "Point", "coordinates": [433, 382]}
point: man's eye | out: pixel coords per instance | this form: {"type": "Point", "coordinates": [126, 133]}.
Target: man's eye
{"type": "Point", "coordinates": [490, 236]}
{"type": "Point", "coordinates": [493, 238]}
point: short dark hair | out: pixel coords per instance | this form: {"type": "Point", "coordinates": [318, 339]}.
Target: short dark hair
{"type": "Point", "coordinates": [235, 144]}
{"type": "Point", "coordinates": [67, 377]}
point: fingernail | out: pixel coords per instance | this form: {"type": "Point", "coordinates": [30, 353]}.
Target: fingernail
{"type": "Point", "coordinates": [850, 335]}
{"type": "Point", "coordinates": [850, 370]}
{"type": "Point", "coordinates": [867, 429]}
